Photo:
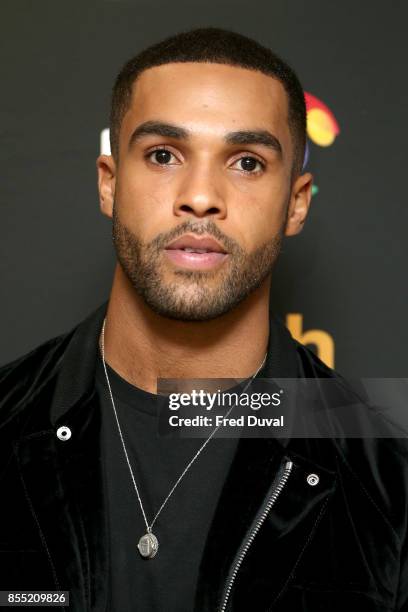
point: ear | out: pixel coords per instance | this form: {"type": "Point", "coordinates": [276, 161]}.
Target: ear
{"type": "Point", "coordinates": [301, 195]}
{"type": "Point", "coordinates": [106, 167]}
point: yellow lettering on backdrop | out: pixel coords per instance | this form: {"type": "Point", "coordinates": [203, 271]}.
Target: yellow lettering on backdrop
{"type": "Point", "coordinates": [323, 341]}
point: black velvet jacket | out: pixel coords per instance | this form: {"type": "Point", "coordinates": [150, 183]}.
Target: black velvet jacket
{"type": "Point", "coordinates": [276, 543]}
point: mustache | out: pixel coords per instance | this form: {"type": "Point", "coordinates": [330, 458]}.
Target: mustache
{"type": "Point", "coordinates": [208, 226]}
{"type": "Point", "coordinates": [198, 228]}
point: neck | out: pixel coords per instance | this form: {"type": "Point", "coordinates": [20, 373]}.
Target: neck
{"type": "Point", "coordinates": [142, 346]}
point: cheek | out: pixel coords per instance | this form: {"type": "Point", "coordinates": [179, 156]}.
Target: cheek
{"type": "Point", "coordinates": [259, 219]}
{"type": "Point", "coordinates": [143, 203]}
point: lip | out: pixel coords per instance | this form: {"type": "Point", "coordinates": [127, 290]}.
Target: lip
{"type": "Point", "coordinates": [195, 261]}
{"type": "Point", "coordinates": [193, 242]}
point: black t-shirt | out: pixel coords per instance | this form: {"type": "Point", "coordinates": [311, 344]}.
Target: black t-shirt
{"type": "Point", "coordinates": [167, 582]}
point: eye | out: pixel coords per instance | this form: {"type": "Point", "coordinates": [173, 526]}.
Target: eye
{"type": "Point", "coordinates": [249, 164]}
{"type": "Point", "coordinates": [160, 156]}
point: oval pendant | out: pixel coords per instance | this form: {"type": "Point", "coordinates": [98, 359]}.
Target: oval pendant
{"type": "Point", "coordinates": [148, 545]}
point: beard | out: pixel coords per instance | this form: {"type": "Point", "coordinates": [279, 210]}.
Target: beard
{"type": "Point", "coordinates": [193, 295]}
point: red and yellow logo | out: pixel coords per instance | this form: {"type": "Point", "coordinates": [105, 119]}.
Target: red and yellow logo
{"type": "Point", "coordinates": [322, 127]}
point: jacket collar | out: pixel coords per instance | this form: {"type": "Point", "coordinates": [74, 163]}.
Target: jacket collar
{"type": "Point", "coordinates": [75, 380]}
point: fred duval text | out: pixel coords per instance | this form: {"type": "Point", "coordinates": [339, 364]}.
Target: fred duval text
{"type": "Point", "coordinates": [249, 420]}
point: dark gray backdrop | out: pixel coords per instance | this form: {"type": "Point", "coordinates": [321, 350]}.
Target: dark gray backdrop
{"type": "Point", "coordinates": [345, 274]}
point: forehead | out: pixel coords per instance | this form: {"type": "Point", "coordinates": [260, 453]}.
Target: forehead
{"type": "Point", "coordinates": [209, 96]}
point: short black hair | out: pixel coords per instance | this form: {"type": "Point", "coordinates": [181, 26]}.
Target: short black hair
{"type": "Point", "coordinates": [212, 45]}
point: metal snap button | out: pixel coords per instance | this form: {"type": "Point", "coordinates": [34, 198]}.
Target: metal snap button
{"type": "Point", "coordinates": [313, 479]}
{"type": "Point", "coordinates": [63, 433]}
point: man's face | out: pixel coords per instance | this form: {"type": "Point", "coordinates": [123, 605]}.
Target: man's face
{"type": "Point", "coordinates": [213, 162]}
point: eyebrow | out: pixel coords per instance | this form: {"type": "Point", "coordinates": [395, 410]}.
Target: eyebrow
{"type": "Point", "coordinates": [241, 137]}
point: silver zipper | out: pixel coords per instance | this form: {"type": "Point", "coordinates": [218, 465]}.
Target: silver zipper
{"type": "Point", "coordinates": [276, 492]}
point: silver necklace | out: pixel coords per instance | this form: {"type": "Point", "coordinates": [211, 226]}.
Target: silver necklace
{"type": "Point", "coordinates": [148, 544]}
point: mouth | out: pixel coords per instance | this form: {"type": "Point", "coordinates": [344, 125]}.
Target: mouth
{"type": "Point", "coordinates": [192, 252]}
{"type": "Point", "coordinates": [195, 260]}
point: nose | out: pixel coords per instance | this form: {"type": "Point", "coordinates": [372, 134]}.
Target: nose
{"type": "Point", "coordinates": [200, 195]}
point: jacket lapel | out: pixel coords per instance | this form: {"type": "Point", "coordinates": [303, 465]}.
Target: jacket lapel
{"type": "Point", "coordinates": [241, 571]}
{"type": "Point", "coordinates": [63, 482]}
{"type": "Point", "coordinates": [63, 479]}
{"type": "Point", "coordinates": [265, 565]}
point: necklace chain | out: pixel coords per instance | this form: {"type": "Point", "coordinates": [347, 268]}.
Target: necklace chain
{"type": "Point", "coordinates": [149, 527]}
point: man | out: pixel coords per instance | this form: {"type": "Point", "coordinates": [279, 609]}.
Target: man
{"type": "Point", "coordinates": [204, 182]}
